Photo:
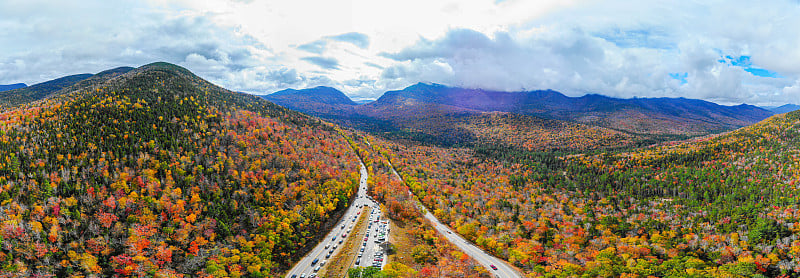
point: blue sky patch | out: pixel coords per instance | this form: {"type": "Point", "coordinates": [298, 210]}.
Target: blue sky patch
{"type": "Point", "coordinates": [680, 76]}
{"type": "Point", "coordinates": [745, 63]}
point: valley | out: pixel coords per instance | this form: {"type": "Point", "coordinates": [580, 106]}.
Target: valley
{"type": "Point", "coordinates": [399, 139]}
{"type": "Point", "coordinates": [153, 170]}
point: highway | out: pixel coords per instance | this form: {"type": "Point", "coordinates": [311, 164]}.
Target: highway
{"type": "Point", "coordinates": [503, 269]}
{"type": "Point", "coordinates": [305, 266]}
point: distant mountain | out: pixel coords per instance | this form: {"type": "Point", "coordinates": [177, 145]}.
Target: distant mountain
{"type": "Point", "coordinates": [457, 116]}
{"type": "Point", "coordinates": [317, 94]}
{"type": "Point", "coordinates": [786, 108]}
{"type": "Point", "coordinates": [57, 86]}
{"type": "Point", "coordinates": [676, 116]}
{"type": "Point", "coordinates": [320, 101]}
{"type": "Point", "coordinates": [431, 122]}
{"type": "Point", "coordinates": [39, 91]}
{"type": "Point", "coordinates": [12, 86]}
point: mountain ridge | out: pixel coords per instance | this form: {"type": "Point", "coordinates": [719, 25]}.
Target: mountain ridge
{"type": "Point", "coordinates": [40, 90]}
{"type": "Point", "coordinates": [646, 116]}
{"type": "Point", "coordinates": [789, 107]}
{"type": "Point", "coordinates": [12, 86]}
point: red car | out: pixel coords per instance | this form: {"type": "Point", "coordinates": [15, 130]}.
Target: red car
{"type": "Point", "coordinates": [493, 267]}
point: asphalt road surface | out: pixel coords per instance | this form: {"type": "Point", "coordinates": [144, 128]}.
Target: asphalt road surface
{"type": "Point", "coordinates": [334, 236]}
{"type": "Point", "coordinates": [503, 269]}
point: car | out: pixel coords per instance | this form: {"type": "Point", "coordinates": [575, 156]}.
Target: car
{"type": "Point", "coordinates": [316, 268]}
{"type": "Point", "coordinates": [358, 261]}
{"type": "Point", "coordinates": [302, 275]}
{"type": "Point", "coordinates": [315, 261]}
{"type": "Point", "coordinates": [365, 243]}
{"type": "Point", "coordinates": [335, 245]}
{"type": "Point", "coordinates": [294, 275]}
{"type": "Point", "coordinates": [493, 267]}
{"type": "Point", "coordinates": [328, 256]}
{"type": "Point", "coordinates": [313, 275]}
{"type": "Point", "coordinates": [334, 238]}
{"type": "Point", "coordinates": [362, 249]}
{"type": "Point", "coordinates": [327, 246]}
{"type": "Point", "coordinates": [365, 239]}
{"type": "Point", "coordinates": [323, 262]}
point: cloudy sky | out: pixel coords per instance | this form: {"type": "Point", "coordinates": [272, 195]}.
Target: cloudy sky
{"type": "Point", "coordinates": [729, 52]}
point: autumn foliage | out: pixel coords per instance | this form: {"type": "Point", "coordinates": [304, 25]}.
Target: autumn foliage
{"type": "Point", "coordinates": [159, 173]}
{"type": "Point", "coordinates": [708, 207]}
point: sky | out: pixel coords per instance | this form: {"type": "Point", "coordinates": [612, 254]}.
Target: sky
{"type": "Point", "coordinates": [729, 52]}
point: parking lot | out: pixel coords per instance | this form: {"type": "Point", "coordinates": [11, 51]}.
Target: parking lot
{"type": "Point", "coordinates": [372, 251]}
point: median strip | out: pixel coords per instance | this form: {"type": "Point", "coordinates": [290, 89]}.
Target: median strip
{"type": "Point", "coordinates": [338, 265]}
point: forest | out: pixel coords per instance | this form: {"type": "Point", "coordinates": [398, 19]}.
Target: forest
{"type": "Point", "coordinates": [155, 172]}
{"type": "Point", "coordinates": [716, 206]}
{"type": "Point", "coordinates": [158, 173]}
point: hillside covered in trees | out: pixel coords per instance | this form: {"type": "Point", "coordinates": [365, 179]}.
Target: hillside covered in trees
{"type": "Point", "coordinates": [156, 172]}
{"type": "Point", "coordinates": [718, 206]}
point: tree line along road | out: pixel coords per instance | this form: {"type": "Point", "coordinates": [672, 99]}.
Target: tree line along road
{"type": "Point", "coordinates": [308, 265]}
{"type": "Point", "coordinates": [496, 266]}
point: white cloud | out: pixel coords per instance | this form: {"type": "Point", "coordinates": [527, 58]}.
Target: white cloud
{"type": "Point", "coordinates": [365, 47]}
